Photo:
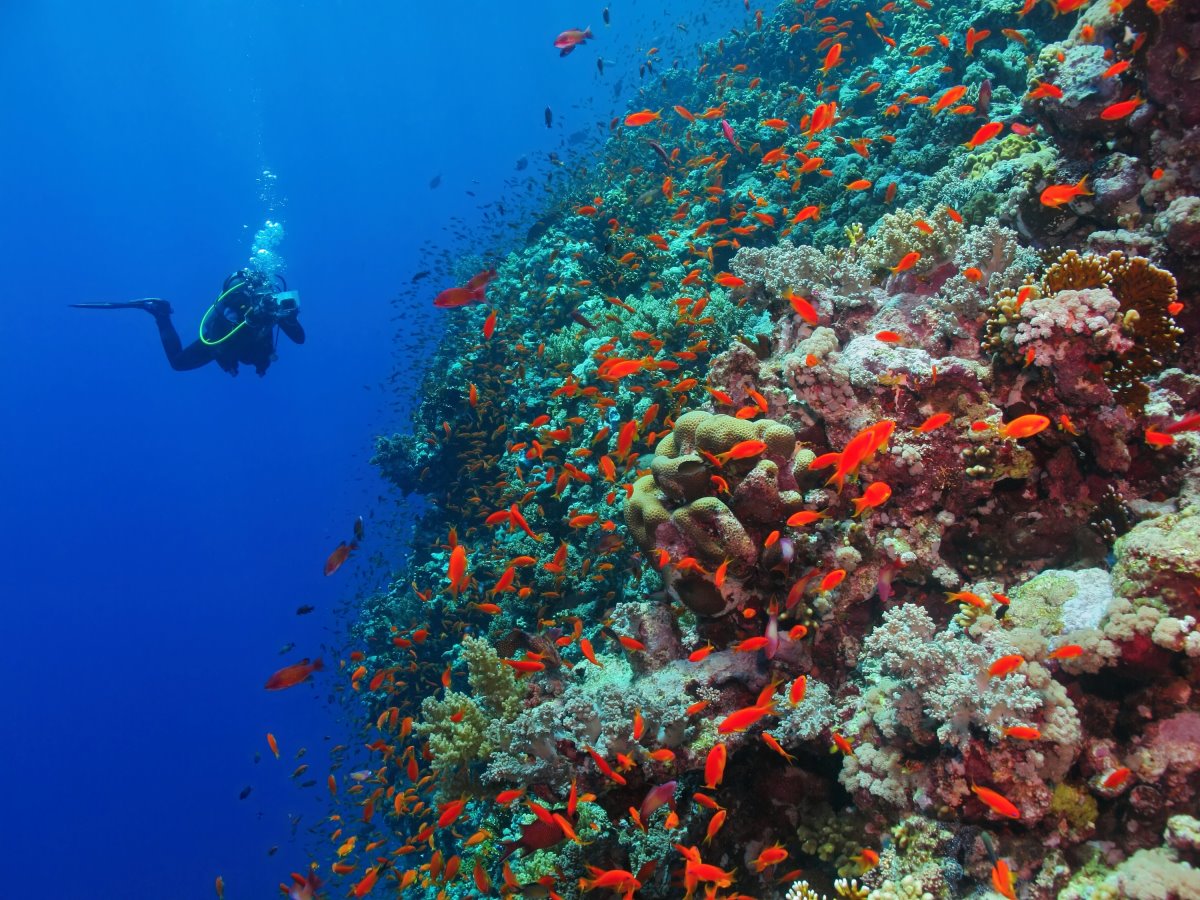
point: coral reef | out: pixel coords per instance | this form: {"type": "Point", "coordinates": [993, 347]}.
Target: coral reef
{"type": "Point", "coordinates": [814, 498]}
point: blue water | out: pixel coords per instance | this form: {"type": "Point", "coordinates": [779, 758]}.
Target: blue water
{"type": "Point", "coordinates": [161, 528]}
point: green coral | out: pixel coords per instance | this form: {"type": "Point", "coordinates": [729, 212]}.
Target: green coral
{"type": "Point", "coordinates": [454, 744]}
{"type": "Point", "coordinates": [490, 679]}
{"type": "Point", "coordinates": [1010, 147]}
{"type": "Point", "coordinates": [1074, 806]}
{"type": "Point", "coordinates": [496, 696]}
{"type": "Point", "coordinates": [1038, 603]}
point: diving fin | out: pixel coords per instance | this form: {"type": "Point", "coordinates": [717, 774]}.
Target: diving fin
{"type": "Point", "coordinates": [150, 305]}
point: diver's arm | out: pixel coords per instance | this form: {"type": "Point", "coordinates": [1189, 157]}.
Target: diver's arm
{"type": "Point", "coordinates": [290, 325]}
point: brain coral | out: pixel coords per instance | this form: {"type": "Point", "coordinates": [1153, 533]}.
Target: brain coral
{"type": "Point", "coordinates": [696, 504]}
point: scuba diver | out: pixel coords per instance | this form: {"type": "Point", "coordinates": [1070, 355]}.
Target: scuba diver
{"type": "Point", "coordinates": [239, 327]}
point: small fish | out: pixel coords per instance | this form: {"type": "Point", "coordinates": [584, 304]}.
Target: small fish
{"type": "Point", "coordinates": [1066, 651]}
{"type": "Point", "coordinates": [290, 676]}
{"type": "Point", "coordinates": [644, 117]}
{"type": "Point", "coordinates": [339, 555]}
{"type": "Point", "coordinates": [996, 802]}
{"type": "Point", "coordinates": [770, 856]}
{"type": "Point", "coordinates": [572, 38]}
{"type": "Point", "coordinates": [1024, 426]}
{"type": "Point", "coordinates": [984, 134]}
{"type": "Point", "coordinates": [937, 420]}
{"type": "Point", "coordinates": [876, 494]}
{"type": "Point", "coordinates": [1023, 733]}
{"type": "Point", "coordinates": [842, 745]}
{"type": "Point", "coordinates": [831, 580]}
{"type": "Point", "coordinates": [304, 610]}
{"type": "Point", "coordinates": [1003, 880]}
{"type": "Point", "coordinates": [1005, 665]}
{"type": "Point", "coordinates": [1116, 779]}
{"type": "Point", "coordinates": [803, 308]}
{"type": "Point", "coordinates": [906, 262]}
{"type": "Point", "coordinates": [743, 450]}
{"type": "Point", "coordinates": [1057, 195]}
{"type": "Point", "coordinates": [742, 719]}
{"type": "Point", "coordinates": [1120, 110]}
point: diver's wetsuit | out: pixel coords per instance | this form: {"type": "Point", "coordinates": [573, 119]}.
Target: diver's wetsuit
{"type": "Point", "coordinates": [253, 345]}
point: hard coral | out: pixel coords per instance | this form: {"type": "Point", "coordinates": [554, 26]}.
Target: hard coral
{"type": "Point", "coordinates": [1122, 303]}
{"type": "Point", "coordinates": [681, 509]}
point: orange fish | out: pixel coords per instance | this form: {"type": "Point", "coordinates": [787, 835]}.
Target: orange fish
{"type": "Point", "coordinates": [831, 580]}
{"type": "Point", "coordinates": [861, 184]}
{"type": "Point", "coordinates": [841, 744]}
{"type": "Point", "coordinates": [1023, 733]}
{"type": "Point", "coordinates": [743, 450]}
{"type": "Point", "coordinates": [1116, 778]}
{"type": "Point", "coordinates": [1120, 110]}
{"type": "Point", "coordinates": [770, 856]}
{"type": "Point", "coordinates": [797, 690]}
{"type": "Point", "coordinates": [984, 134]}
{"type": "Point", "coordinates": [973, 38]}
{"type": "Point", "coordinates": [1057, 195]}
{"type": "Point", "coordinates": [948, 98]}
{"type": "Point", "coordinates": [1067, 651]}
{"type": "Point", "coordinates": [271, 743]}
{"type": "Point", "coordinates": [1003, 880]}
{"type": "Point", "coordinates": [1024, 426]}
{"type": "Point", "coordinates": [742, 719]}
{"type": "Point", "coordinates": [725, 279]}
{"type": "Point", "coordinates": [937, 420]}
{"type": "Point", "coordinates": [1044, 90]}
{"type": "Point", "coordinates": [644, 117]}
{"type": "Point", "coordinates": [802, 307]}
{"type": "Point", "coordinates": [290, 676]}
{"type": "Point", "coordinates": [804, 517]}
{"type": "Point", "coordinates": [876, 494]}
{"type": "Point", "coordinates": [1005, 665]}
{"type": "Point", "coordinates": [457, 569]}
{"type": "Point", "coordinates": [907, 261]}
{"type": "Point", "coordinates": [996, 802]}
{"type": "Point", "coordinates": [1158, 439]}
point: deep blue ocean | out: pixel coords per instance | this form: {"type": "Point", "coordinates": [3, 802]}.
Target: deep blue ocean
{"type": "Point", "coordinates": [161, 528]}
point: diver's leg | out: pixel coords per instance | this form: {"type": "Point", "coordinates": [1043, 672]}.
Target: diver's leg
{"type": "Point", "coordinates": [181, 358]}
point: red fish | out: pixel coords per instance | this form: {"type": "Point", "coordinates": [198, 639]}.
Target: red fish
{"type": "Point", "coordinates": [290, 676]}
{"type": "Point", "coordinates": [1120, 110]}
{"type": "Point", "coordinates": [454, 297]}
{"type": "Point", "coordinates": [340, 554]}
{"type": "Point", "coordinates": [572, 38]}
